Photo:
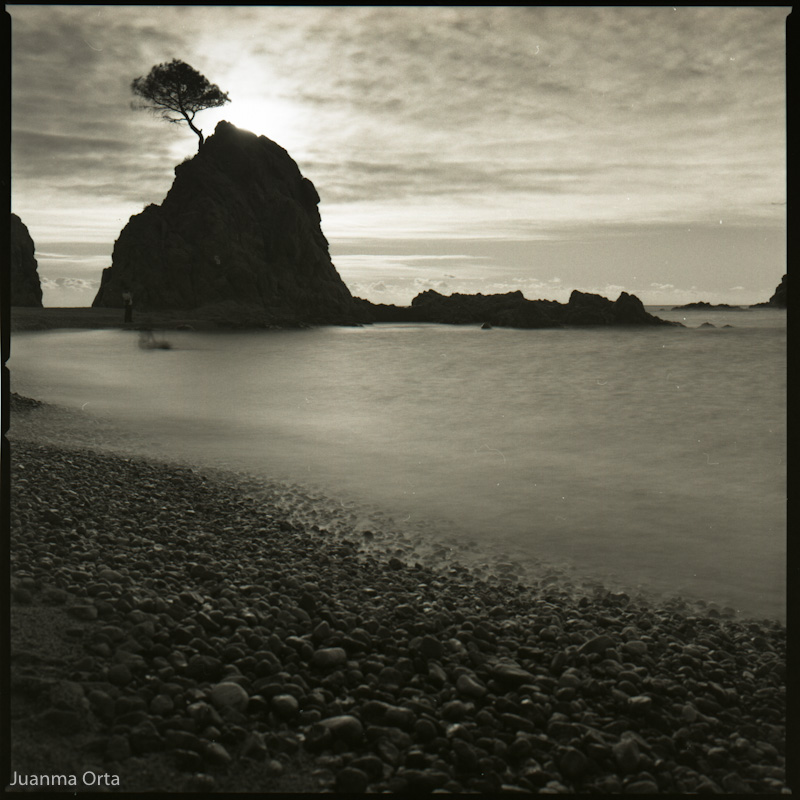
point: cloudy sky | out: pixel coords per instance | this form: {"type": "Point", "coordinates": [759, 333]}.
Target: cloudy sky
{"type": "Point", "coordinates": [463, 148]}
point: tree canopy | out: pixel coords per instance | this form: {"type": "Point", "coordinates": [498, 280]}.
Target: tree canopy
{"type": "Point", "coordinates": [177, 91]}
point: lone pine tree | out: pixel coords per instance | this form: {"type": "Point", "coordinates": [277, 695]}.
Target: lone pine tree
{"type": "Point", "coordinates": [177, 91]}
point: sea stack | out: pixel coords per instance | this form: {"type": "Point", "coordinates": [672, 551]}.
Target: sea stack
{"type": "Point", "coordinates": [25, 287]}
{"type": "Point", "coordinates": [238, 232]}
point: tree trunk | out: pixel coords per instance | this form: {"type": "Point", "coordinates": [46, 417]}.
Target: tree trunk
{"type": "Point", "coordinates": [197, 131]}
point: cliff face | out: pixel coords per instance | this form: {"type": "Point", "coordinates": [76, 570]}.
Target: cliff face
{"type": "Point", "coordinates": [239, 230]}
{"type": "Point", "coordinates": [513, 310]}
{"type": "Point", "coordinates": [778, 299]}
{"type": "Point", "coordinates": [25, 288]}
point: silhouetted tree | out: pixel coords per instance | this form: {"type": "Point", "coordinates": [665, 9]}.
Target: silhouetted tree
{"type": "Point", "coordinates": [177, 92]}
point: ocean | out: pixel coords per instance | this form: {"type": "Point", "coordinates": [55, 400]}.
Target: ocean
{"type": "Point", "coordinates": [650, 460]}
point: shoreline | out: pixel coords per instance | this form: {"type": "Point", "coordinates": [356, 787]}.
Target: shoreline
{"type": "Point", "coordinates": [23, 319]}
{"type": "Point", "coordinates": [202, 640]}
{"type": "Point", "coordinates": [435, 543]}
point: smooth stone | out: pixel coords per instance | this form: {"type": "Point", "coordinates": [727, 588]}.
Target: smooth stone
{"type": "Point", "coordinates": [215, 753]}
{"type": "Point", "coordinates": [454, 711]}
{"type": "Point", "coordinates": [345, 727]}
{"type": "Point", "coordinates": [204, 668]}
{"type": "Point", "coordinates": [635, 648]}
{"type": "Point", "coordinates": [284, 705]}
{"type": "Point", "coordinates": [425, 730]}
{"type": "Point", "coordinates": [187, 760]}
{"type": "Point", "coordinates": [641, 787]}
{"type": "Point", "coordinates": [145, 738]}
{"type": "Point", "coordinates": [431, 647]}
{"type": "Point", "coordinates": [399, 717]}
{"type": "Point", "coordinates": [640, 703]}
{"type": "Point", "coordinates": [469, 686]}
{"type": "Point", "coordinates": [512, 674]}
{"type": "Point", "coordinates": [183, 740]}
{"type": "Point", "coordinates": [626, 754]}
{"type": "Point", "coordinates": [229, 695]}
{"type": "Point", "coordinates": [371, 765]}
{"type": "Point", "coordinates": [162, 704]}
{"type": "Point", "coordinates": [599, 644]}
{"type": "Point", "coordinates": [351, 780]}
{"type": "Point", "coordinates": [119, 674]}
{"type": "Point", "coordinates": [329, 657]}
{"type": "Point", "coordinates": [573, 763]}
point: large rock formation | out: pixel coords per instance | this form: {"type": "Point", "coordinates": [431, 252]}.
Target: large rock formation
{"type": "Point", "coordinates": [238, 234]}
{"type": "Point", "coordinates": [513, 310]}
{"type": "Point", "coordinates": [25, 287]}
{"type": "Point", "coordinates": [778, 300]}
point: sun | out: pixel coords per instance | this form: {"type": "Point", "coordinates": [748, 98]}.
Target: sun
{"type": "Point", "coordinates": [273, 117]}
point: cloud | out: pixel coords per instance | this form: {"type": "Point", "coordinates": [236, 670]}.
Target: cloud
{"type": "Point", "coordinates": [76, 284]}
{"type": "Point", "coordinates": [448, 124]}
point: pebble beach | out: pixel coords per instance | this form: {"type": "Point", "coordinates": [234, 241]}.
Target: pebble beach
{"type": "Point", "coordinates": [178, 629]}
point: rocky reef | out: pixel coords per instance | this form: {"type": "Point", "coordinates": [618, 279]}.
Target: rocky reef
{"type": "Point", "coordinates": [513, 310]}
{"type": "Point", "coordinates": [238, 232]}
{"type": "Point", "coordinates": [704, 306]}
{"type": "Point", "coordinates": [25, 287]}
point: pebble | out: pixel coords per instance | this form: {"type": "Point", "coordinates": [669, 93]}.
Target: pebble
{"type": "Point", "coordinates": [285, 706]}
{"type": "Point", "coordinates": [214, 753]}
{"type": "Point", "coordinates": [598, 644]}
{"type": "Point", "coordinates": [119, 674]}
{"type": "Point", "coordinates": [229, 695]}
{"type": "Point", "coordinates": [351, 780]}
{"type": "Point", "coordinates": [641, 787]}
{"type": "Point", "coordinates": [431, 647]}
{"type": "Point", "coordinates": [626, 754]}
{"type": "Point", "coordinates": [393, 675]}
{"type": "Point", "coordinates": [573, 763]}
{"type": "Point", "coordinates": [345, 727]}
{"type": "Point", "coordinates": [329, 657]}
{"type": "Point", "coordinates": [469, 686]}
{"type": "Point", "coordinates": [512, 674]}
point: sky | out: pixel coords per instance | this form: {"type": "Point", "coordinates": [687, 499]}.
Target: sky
{"type": "Point", "coordinates": [464, 149]}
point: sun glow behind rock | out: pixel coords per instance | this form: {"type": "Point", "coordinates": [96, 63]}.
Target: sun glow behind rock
{"type": "Point", "coordinates": [504, 132]}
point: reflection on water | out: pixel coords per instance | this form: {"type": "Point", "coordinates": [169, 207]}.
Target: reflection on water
{"type": "Point", "coordinates": [650, 457]}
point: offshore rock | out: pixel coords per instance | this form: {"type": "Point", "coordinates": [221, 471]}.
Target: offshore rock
{"type": "Point", "coordinates": [238, 235]}
{"type": "Point", "coordinates": [513, 310]}
{"type": "Point", "coordinates": [25, 287]}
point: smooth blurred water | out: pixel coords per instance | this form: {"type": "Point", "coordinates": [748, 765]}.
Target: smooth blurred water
{"type": "Point", "coordinates": [648, 458]}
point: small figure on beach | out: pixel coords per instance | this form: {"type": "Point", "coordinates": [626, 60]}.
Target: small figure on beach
{"type": "Point", "coordinates": [127, 298]}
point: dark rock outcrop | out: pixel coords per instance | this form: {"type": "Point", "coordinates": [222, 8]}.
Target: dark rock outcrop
{"type": "Point", "coordinates": [513, 310]}
{"type": "Point", "coordinates": [238, 234]}
{"type": "Point", "coordinates": [778, 300]}
{"type": "Point", "coordinates": [704, 306]}
{"type": "Point", "coordinates": [25, 287]}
